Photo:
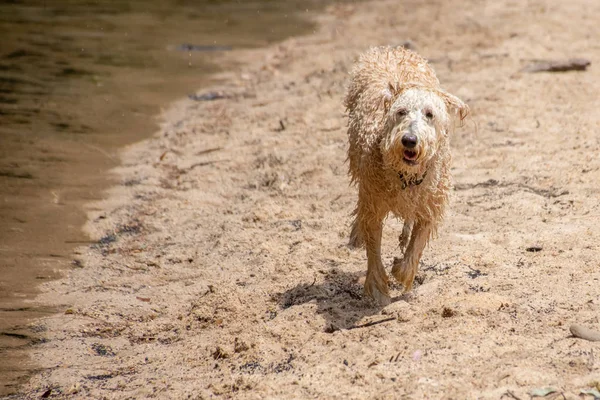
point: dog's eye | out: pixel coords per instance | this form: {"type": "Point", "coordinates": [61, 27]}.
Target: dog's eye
{"type": "Point", "coordinates": [429, 114]}
{"type": "Point", "coordinates": [402, 112]}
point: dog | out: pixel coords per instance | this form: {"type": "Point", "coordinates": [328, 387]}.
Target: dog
{"type": "Point", "coordinates": [399, 157]}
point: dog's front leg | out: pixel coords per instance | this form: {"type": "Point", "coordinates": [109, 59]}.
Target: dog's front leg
{"type": "Point", "coordinates": [404, 270]}
{"type": "Point", "coordinates": [376, 283]}
{"type": "Point", "coordinates": [405, 235]}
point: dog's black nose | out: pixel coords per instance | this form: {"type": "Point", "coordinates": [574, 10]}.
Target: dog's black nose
{"type": "Point", "coordinates": [409, 141]}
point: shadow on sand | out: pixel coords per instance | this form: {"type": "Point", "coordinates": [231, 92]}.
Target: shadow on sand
{"type": "Point", "coordinates": [340, 299]}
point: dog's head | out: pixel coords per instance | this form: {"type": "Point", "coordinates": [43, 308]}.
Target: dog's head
{"type": "Point", "coordinates": [418, 120]}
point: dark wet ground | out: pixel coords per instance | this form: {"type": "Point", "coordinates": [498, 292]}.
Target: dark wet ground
{"type": "Point", "coordinates": [78, 80]}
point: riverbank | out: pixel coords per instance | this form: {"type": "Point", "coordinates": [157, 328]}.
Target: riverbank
{"type": "Point", "coordinates": [220, 266]}
{"type": "Point", "coordinates": [78, 83]}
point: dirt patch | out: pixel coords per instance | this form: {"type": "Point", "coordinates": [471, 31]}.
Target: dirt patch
{"type": "Point", "coordinates": [236, 280]}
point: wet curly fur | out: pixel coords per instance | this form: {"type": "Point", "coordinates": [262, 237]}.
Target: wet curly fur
{"type": "Point", "coordinates": [399, 156]}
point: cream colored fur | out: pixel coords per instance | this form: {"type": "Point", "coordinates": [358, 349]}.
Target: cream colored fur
{"type": "Point", "coordinates": [394, 92]}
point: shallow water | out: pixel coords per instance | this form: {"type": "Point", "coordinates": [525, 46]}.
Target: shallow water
{"type": "Point", "coordinates": [79, 79]}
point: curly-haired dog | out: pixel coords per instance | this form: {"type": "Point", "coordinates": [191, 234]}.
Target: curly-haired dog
{"type": "Point", "coordinates": [399, 122]}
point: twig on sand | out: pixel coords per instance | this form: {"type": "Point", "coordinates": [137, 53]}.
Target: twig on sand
{"type": "Point", "coordinates": [582, 332]}
{"type": "Point", "coordinates": [381, 321]}
{"type": "Point", "coordinates": [200, 153]}
{"type": "Point", "coordinates": [206, 151]}
{"type": "Point", "coordinates": [511, 395]}
{"type": "Point", "coordinates": [281, 126]}
{"type": "Point", "coordinates": [162, 156]}
{"type": "Point", "coordinates": [200, 164]}
{"type": "Point", "coordinates": [573, 64]}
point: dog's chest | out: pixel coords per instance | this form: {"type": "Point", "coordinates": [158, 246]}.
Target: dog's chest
{"type": "Point", "coordinates": [424, 201]}
{"type": "Point", "coordinates": [404, 201]}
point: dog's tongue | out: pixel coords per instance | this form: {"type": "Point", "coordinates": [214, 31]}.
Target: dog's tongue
{"type": "Point", "coordinates": [410, 155]}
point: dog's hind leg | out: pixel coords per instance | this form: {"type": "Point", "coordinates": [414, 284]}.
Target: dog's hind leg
{"type": "Point", "coordinates": [404, 237]}
{"type": "Point", "coordinates": [405, 270]}
{"type": "Point", "coordinates": [356, 236]}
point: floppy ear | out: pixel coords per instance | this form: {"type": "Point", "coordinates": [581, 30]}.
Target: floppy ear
{"type": "Point", "coordinates": [455, 105]}
{"type": "Point", "coordinates": [388, 95]}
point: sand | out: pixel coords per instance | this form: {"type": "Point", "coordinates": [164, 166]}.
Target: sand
{"type": "Point", "coordinates": [221, 267]}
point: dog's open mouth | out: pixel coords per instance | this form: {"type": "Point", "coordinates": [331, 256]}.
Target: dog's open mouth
{"type": "Point", "coordinates": [410, 156]}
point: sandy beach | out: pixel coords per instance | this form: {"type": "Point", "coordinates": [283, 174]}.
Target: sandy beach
{"type": "Point", "coordinates": [220, 266]}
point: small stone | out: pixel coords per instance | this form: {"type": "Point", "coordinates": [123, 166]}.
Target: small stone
{"type": "Point", "coordinates": [417, 355]}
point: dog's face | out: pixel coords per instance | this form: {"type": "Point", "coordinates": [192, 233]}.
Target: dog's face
{"type": "Point", "coordinates": [418, 122]}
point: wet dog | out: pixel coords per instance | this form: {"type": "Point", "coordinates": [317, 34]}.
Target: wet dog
{"type": "Point", "coordinates": [399, 125]}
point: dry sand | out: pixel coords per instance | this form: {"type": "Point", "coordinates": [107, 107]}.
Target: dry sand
{"type": "Point", "coordinates": [222, 268]}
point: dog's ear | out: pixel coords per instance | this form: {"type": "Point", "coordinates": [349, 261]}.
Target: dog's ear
{"type": "Point", "coordinates": [388, 95]}
{"type": "Point", "coordinates": [455, 105]}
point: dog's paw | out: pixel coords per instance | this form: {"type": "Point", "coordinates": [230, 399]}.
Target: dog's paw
{"type": "Point", "coordinates": [404, 273]}
{"type": "Point", "coordinates": [380, 293]}
{"type": "Point", "coordinates": [381, 298]}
